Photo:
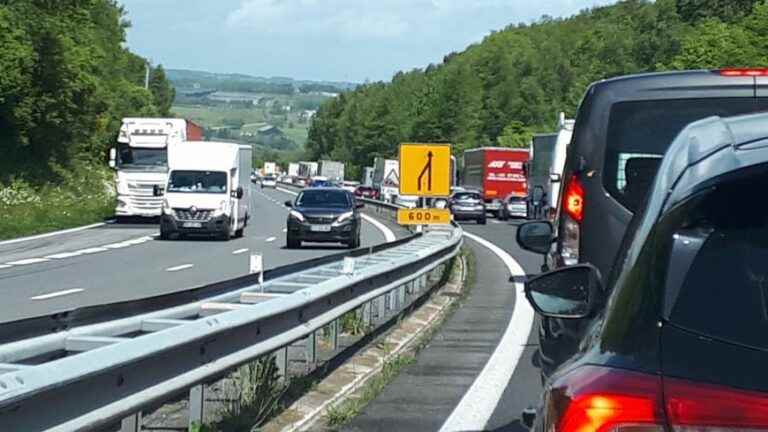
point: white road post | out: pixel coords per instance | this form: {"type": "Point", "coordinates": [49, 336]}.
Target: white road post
{"type": "Point", "coordinates": [257, 266]}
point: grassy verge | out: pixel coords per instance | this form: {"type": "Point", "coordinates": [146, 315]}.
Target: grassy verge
{"type": "Point", "coordinates": [83, 196]}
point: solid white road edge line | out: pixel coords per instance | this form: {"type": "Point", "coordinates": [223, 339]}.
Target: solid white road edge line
{"type": "Point", "coordinates": [179, 267]}
{"type": "Point", "coordinates": [51, 234]}
{"type": "Point", "coordinates": [56, 294]}
{"type": "Point", "coordinates": [388, 234]}
{"type": "Point", "coordinates": [27, 261]}
{"type": "Point", "coordinates": [479, 402]}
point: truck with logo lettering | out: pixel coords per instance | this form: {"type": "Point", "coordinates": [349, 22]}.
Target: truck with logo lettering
{"type": "Point", "coordinates": [498, 173]}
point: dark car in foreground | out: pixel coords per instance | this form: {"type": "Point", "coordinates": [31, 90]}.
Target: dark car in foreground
{"type": "Point", "coordinates": [682, 342]}
{"type": "Point", "coordinates": [468, 206]}
{"type": "Point", "coordinates": [325, 215]}
{"type": "Point", "coordinates": [623, 127]}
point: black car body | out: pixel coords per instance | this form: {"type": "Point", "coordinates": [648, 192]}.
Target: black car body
{"type": "Point", "coordinates": [623, 127]}
{"type": "Point", "coordinates": [682, 341]}
{"type": "Point", "coordinates": [325, 215]}
{"type": "Point", "coordinates": [468, 206]}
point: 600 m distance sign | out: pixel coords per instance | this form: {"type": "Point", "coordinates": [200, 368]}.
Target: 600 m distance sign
{"type": "Point", "coordinates": [425, 170]}
{"type": "Point", "coordinates": [425, 216]}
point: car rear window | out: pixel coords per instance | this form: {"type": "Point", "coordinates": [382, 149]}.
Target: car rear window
{"type": "Point", "coordinates": [640, 132]}
{"type": "Point", "coordinates": [467, 196]}
{"type": "Point", "coordinates": [724, 292]}
{"type": "Point", "coordinates": [323, 198]}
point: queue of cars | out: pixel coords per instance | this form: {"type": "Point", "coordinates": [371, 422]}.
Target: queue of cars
{"type": "Point", "coordinates": [653, 311]}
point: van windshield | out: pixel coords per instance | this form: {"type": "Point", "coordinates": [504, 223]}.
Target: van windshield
{"type": "Point", "coordinates": [640, 132]}
{"type": "Point", "coordinates": [198, 182]}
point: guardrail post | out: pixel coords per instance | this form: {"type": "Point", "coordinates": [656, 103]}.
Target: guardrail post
{"type": "Point", "coordinates": [367, 314]}
{"type": "Point", "coordinates": [335, 334]}
{"type": "Point", "coordinates": [401, 295]}
{"type": "Point", "coordinates": [382, 307]}
{"type": "Point", "coordinates": [281, 358]}
{"type": "Point", "coordinates": [196, 405]}
{"type": "Point", "coordinates": [311, 349]}
{"type": "Point", "coordinates": [131, 423]}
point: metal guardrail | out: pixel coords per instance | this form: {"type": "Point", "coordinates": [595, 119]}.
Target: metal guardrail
{"type": "Point", "coordinates": [93, 376]}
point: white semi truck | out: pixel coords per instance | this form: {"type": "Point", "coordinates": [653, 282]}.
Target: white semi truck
{"type": "Point", "coordinates": [386, 178]}
{"type": "Point", "coordinates": [207, 190]}
{"type": "Point", "coordinates": [141, 161]}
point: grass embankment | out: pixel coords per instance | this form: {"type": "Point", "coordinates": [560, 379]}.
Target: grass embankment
{"type": "Point", "coordinates": [82, 196]}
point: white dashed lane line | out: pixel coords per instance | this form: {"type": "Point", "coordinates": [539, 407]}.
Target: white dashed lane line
{"type": "Point", "coordinates": [240, 251]}
{"type": "Point", "coordinates": [56, 294]}
{"type": "Point", "coordinates": [271, 239]}
{"type": "Point", "coordinates": [179, 267]}
{"type": "Point", "coordinates": [27, 261]}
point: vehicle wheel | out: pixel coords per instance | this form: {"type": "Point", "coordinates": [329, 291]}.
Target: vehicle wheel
{"type": "Point", "coordinates": [503, 215]}
{"type": "Point", "coordinates": [239, 233]}
{"type": "Point", "coordinates": [226, 235]}
{"type": "Point", "coordinates": [292, 243]}
{"type": "Point", "coordinates": [164, 235]}
{"type": "Point", "coordinates": [481, 221]}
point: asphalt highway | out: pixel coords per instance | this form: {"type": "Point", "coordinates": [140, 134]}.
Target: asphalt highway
{"type": "Point", "coordinates": [119, 262]}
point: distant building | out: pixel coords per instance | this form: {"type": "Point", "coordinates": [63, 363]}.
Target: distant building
{"type": "Point", "coordinates": [271, 135]}
{"type": "Point", "coordinates": [307, 115]}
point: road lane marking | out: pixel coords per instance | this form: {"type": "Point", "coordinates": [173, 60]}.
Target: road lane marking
{"type": "Point", "coordinates": [479, 402]}
{"type": "Point", "coordinates": [285, 230]}
{"type": "Point", "coordinates": [64, 255]}
{"type": "Point", "coordinates": [51, 234]}
{"type": "Point", "coordinates": [92, 250]}
{"type": "Point", "coordinates": [240, 251]}
{"type": "Point", "coordinates": [271, 239]}
{"type": "Point", "coordinates": [5, 266]}
{"type": "Point", "coordinates": [388, 234]}
{"type": "Point", "coordinates": [27, 261]}
{"type": "Point", "coordinates": [117, 245]}
{"type": "Point", "coordinates": [179, 267]}
{"type": "Point", "coordinates": [56, 294]}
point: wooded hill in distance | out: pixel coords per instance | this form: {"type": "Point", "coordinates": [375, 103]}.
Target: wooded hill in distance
{"type": "Point", "coordinates": [513, 83]}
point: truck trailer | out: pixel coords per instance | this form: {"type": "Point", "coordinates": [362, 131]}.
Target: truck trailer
{"type": "Point", "coordinates": [498, 173]}
{"type": "Point", "coordinates": [332, 170]}
{"type": "Point", "coordinates": [386, 178]}
{"type": "Point", "coordinates": [140, 159]}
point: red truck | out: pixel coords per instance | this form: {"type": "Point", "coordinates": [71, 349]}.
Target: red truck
{"type": "Point", "coordinates": [498, 173]}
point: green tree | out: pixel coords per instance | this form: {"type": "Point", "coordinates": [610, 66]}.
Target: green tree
{"type": "Point", "coordinates": [515, 135]}
{"type": "Point", "coordinates": [162, 91]}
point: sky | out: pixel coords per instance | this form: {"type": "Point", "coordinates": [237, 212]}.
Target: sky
{"type": "Point", "coordinates": [333, 40]}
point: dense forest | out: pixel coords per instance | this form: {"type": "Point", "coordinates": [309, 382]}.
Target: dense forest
{"type": "Point", "coordinates": [513, 83]}
{"type": "Point", "coordinates": [66, 81]}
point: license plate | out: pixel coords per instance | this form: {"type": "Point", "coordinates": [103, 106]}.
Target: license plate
{"type": "Point", "coordinates": [320, 228]}
{"type": "Point", "coordinates": [192, 225]}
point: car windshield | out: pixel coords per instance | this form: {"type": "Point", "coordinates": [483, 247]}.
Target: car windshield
{"type": "Point", "coordinates": [134, 157]}
{"type": "Point", "coordinates": [639, 133]}
{"type": "Point", "coordinates": [197, 182]}
{"type": "Point", "coordinates": [463, 196]}
{"type": "Point", "coordinates": [323, 198]}
{"type": "Point", "coordinates": [269, 178]}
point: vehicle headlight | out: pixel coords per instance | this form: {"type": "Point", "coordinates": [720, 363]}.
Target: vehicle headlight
{"type": "Point", "coordinates": [122, 188]}
{"type": "Point", "coordinates": [222, 210]}
{"type": "Point", "coordinates": [296, 215]}
{"type": "Point", "coordinates": [343, 218]}
{"type": "Point", "coordinates": [167, 207]}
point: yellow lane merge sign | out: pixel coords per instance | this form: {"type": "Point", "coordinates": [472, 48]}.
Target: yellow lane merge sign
{"type": "Point", "coordinates": [425, 170]}
{"type": "Point", "coordinates": [423, 216]}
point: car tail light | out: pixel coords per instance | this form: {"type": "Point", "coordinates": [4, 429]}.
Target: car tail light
{"type": "Point", "coordinates": [704, 407]}
{"type": "Point", "coordinates": [597, 399]}
{"type": "Point", "coordinates": [734, 72]}
{"type": "Point", "coordinates": [600, 399]}
{"type": "Point", "coordinates": [573, 199]}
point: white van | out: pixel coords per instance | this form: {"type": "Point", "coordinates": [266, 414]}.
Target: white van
{"type": "Point", "coordinates": [207, 191]}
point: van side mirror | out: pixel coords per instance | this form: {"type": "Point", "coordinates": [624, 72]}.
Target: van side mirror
{"type": "Point", "coordinates": [239, 193]}
{"type": "Point", "coordinates": [535, 236]}
{"type": "Point", "coordinates": [288, 203]}
{"type": "Point", "coordinates": [112, 157]}
{"type": "Point", "coordinates": [157, 191]}
{"type": "Point", "coordinates": [569, 292]}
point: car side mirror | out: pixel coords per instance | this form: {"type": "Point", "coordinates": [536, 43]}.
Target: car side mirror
{"type": "Point", "coordinates": [157, 191]}
{"type": "Point", "coordinates": [288, 204]}
{"type": "Point", "coordinates": [535, 236]}
{"type": "Point", "coordinates": [568, 293]}
{"type": "Point", "coordinates": [554, 178]}
{"type": "Point", "coordinates": [239, 193]}
{"type": "Point", "coordinates": [112, 157]}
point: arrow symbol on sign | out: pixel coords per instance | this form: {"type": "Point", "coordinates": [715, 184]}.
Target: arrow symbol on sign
{"type": "Point", "coordinates": [428, 172]}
